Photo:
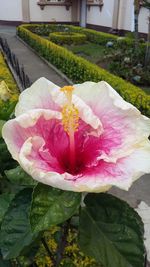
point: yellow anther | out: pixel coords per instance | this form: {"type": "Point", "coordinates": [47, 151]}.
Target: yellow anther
{"type": "Point", "coordinates": [68, 93]}
{"type": "Point", "coordinates": [66, 89]}
{"type": "Point", "coordinates": [70, 114]}
{"type": "Point", "coordinates": [70, 118]}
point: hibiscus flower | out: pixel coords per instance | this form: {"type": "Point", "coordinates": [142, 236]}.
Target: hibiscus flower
{"type": "Point", "coordinates": [82, 138]}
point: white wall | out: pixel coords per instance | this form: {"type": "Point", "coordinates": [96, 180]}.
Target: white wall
{"type": "Point", "coordinates": [103, 18]}
{"type": "Point", "coordinates": [143, 20]}
{"type": "Point", "coordinates": [50, 13]}
{"type": "Point", "coordinates": [11, 10]}
{"type": "Point", "coordinates": [126, 15]}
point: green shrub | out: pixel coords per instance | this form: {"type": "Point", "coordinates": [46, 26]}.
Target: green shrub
{"type": "Point", "coordinates": [7, 106]}
{"type": "Point", "coordinates": [99, 37]}
{"type": "Point", "coordinates": [80, 70]}
{"type": "Point", "coordinates": [45, 29]}
{"type": "Point", "coordinates": [92, 35]}
{"type": "Point", "coordinates": [67, 38]}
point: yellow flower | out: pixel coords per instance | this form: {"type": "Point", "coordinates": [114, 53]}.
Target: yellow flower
{"type": "Point", "coordinates": [4, 91]}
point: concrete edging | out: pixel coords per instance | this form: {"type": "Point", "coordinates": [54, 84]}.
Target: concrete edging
{"type": "Point", "coordinates": [62, 75]}
{"type": "Point", "coordinates": [15, 76]}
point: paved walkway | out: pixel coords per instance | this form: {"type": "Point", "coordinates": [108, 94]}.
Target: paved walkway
{"type": "Point", "coordinates": [36, 68]}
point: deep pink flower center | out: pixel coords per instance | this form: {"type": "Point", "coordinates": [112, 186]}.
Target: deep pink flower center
{"type": "Point", "coordinates": [55, 154]}
{"type": "Point", "coordinates": [86, 148]}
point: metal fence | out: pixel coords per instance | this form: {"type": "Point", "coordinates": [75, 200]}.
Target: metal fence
{"type": "Point", "coordinates": [13, 61]}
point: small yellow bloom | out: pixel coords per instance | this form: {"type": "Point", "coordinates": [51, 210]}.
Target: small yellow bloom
{"type": "Point", "coordinates": [4, 91]}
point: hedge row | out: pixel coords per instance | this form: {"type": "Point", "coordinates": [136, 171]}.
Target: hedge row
{"type": "Point", "coordinates": [93, 36]}
{"type": "Point", "coordinates": [67, 38]}
{"type": "Point", "coordinates": [7, 106]}
{"type": "Point", "coordinates": [80, 70]}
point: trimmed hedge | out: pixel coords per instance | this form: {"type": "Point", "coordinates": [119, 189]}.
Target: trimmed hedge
{"type": "Point", "coordinates": [67, 38]}
{"type": "Point", "coordinates": [80, 70]}
{"type": "Point", "coordinates": [99, 37]}
{"type": "Point", "coordinates": [6, 107]}
{"type": "Point", "coordinates": [93, 36]}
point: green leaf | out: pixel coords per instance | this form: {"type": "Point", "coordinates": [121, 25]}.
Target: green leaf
{"type": "Point", "coordinates": [51, 206]}
{"type": "Point", "coordinates": [6, 161]}
{"type": "Point", "coordinates": [5, 263]}
{"type": "Point", "coordinates": [111, 232]}
{"type": "Point", "coordinates": [5, 200]}
{"type": "Point", "coordinates": [20, 177]}
{"type": "Point", "coordinates": [1, 126]}
{"type": "Point", "coordinates": [15, 229]}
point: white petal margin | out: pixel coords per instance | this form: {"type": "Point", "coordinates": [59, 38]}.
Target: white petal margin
{"type": "Point", "coordinates": [144, 211]}
{"type": "Point", "coordinates": [28, 119]}
{"type": "Point", "coordinates": [103, 95]}
{"type": "Point", "coordinates": [37, 96]}
{"type": "Point", "coordinates": [43, 94]}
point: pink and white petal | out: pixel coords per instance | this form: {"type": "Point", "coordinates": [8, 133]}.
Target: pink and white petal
{"type": "Point", "coordinates": [139, 161]}
{"type": "Point", "coordinates": [107, 103]}
{"type": "Point", "coordinates": [37, 96]}
{"type": "Point", "coordinates": [44, 94]}
{"type": "Point", "coordinates": [17, 130]}
{"type": "Point", "coordinates": [120, 174]}
{"type": "Point", "coordinates": [124, 126]}
{"type": "Point", "coordinates": [38, 169]}
{"type": "Point", "coordinates": [41, 172]}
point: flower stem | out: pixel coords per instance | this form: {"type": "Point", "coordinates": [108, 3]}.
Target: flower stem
{"type": "Point", "coordinates": [62, 243]}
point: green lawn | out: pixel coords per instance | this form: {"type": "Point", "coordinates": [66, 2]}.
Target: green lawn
{"type": "Point", "coordinates": [90, 51]}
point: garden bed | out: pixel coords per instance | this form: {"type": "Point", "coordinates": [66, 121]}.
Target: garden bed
{"type": "Point", "coordinates": [79, 69]}
{"type": "Point", "coordinates": [117, 59]}
{"type": "Point", "coordinates": [115, 54]}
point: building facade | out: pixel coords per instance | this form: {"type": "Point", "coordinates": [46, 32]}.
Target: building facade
{"type": "Point", "coordinates": [99, 14]}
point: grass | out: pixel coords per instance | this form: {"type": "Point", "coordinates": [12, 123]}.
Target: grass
{"type": "Point", "coordinates": [90, 51]}
{"type": "Point", "coordinates": [146, 89]}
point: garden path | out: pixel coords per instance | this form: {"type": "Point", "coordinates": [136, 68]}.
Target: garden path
{"type": "Point", "coordinates": [35, 68]}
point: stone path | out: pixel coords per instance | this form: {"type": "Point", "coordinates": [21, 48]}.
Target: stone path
{"type": "Point", "coordinates": [36, 68]}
